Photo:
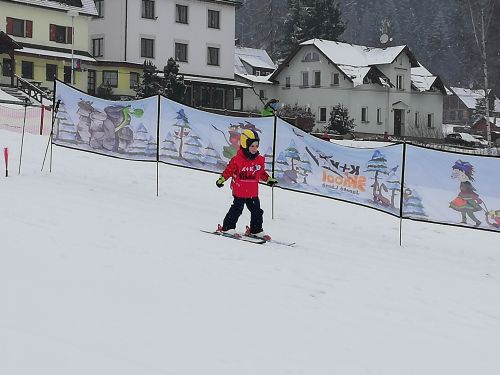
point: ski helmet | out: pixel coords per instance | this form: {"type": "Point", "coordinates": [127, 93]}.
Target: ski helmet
{"type": "Point", "coordinates": [248, 137]}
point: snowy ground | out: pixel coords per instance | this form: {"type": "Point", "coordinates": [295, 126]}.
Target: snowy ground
{"type": "Point", "coordinates": [98, 275]}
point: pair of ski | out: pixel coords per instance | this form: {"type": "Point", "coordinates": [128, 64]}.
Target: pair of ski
{"type": "Point", "coordinates": [248, 238]}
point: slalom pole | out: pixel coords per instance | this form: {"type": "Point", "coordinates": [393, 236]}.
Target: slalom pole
{"type": "Point", "coordinates": [158, 149]}
{"type": "Point", "coordinates": [401, 196]}
{"type": "Point", "coordinates": [6, 160]}
{"type": "Point", "coordinates": [274, 157]}
{"type": "Point", "coordinates": [54, 112]}
{"type": "Point", "coordinates": [22, 137]}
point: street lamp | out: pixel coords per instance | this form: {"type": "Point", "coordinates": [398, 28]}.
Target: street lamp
{"type": "Point", "coordinates": [72, 14]}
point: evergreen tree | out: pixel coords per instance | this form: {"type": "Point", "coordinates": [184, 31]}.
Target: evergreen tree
{"type": "Point", "coordinates": [173, 83]}
{"type": "Point", "coordinates": [479, 110]}
{"type": "Point", "coordinates": [150, 83]}
{"type": "Point", "coordinates": [308, 19]}
{"type": "Point", "coordinates": [339, 120]}
{"type": "Point", "coordinates": [324, 20]}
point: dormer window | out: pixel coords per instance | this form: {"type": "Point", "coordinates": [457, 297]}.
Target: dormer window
{"type": "Point", "coordinates": [311, 56]}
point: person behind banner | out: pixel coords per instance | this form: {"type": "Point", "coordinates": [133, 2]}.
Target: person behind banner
{"type": "Point", "coordinates": [270, 108]}
{"type": "Point", "coordinates": [246, 169]}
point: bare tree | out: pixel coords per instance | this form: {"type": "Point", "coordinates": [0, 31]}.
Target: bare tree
{"type": "Point", "coordinates": [480, 23]}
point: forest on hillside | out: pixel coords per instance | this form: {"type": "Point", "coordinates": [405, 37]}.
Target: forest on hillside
{"type": "Point", "coordinates": [439, 32]}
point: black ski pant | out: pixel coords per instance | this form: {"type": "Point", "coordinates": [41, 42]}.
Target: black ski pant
{"type": "Point", "coordinates": [236, 209]}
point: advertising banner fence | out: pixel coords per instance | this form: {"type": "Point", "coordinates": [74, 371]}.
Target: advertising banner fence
{"type": "Point", "coordinates": [124, 129]}
{"type": "Point", "coordinates": [451, 188]}
{"type": "Point", "coordinates": [438, 186]}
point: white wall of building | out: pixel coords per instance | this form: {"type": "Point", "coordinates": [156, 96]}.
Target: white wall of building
{"type": "Point", "coordinates": [166, 32]}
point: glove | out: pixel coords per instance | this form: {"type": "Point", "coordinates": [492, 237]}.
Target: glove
{"type": "Point", "coordinates": [220, 181]}
{"type": "Point", "coordinates": [271, 181]}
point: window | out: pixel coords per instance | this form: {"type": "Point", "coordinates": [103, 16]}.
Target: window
{"type": "Point", "coordinates": [147, 47]}
{"type": "Point", "coordinates": [311, 56]}
{"type": "Point", "coordinates": [379, 116]}
{"type": "Point", "coordinates": [134, 80]}
{"type": "Point", "coordinates": [181, 52]}
{"type": "Point", "coordinates": [213, 56]}
{"type": "Point", "coordinates": [400, 82]}
{"type": "Point", "coordinates": [400, 60]}
{"type": "Point", "coordinates": [27, 69]}
{"type": "Point", "coordinates": [148, 9]}
{"type": "Point", "coordinates": [364, 114]}
{"type": "Point", "coordinates": [98, 47]}
{"type": "Point", "coordinates": [110, 77]}
{"type": "Point", "coordinates": [335, 79]}
{"type": "Point", "coordinates": [238, 93]}
{"type": "Point", "coordinates": [6, 67]}
{"type": "Point", "coordinates": [262, 94]}
{"type": "Point", "coordinates": [317, 79]}
{"type": "Point", "coordinates": [416, 120]}
{"type": "Point", "coordinates": [61, 34]}
{"type": "Point", "coordinates": [50, 72]}
{"type": "Point", "coordinates": [430, 120]}
{"type": "Point", "coordinates": [99, 5]}
{"type": "Point", "coordinates": [213, 19]}
{"type": "Point", "coordinates": [322, 114]}
{"type": "Point", "coordinates": [17, 27]}
{"type": "Point", "coordinates": [181, 13]}
{"type": "Point", "coordinates": [287, 82]}
{"type": "Point", "coordinates": [304, 79]}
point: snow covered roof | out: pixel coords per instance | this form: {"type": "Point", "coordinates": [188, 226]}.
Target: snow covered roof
{"type": "Point", "coordinates": [356, 55]}
{"type": "Point", "coordinates": [493, 120]}
{"type": "Point", "coordinates": [468, 96]}
{"type": "Point", "coordinates": [255, 79]}
{"type": "Point", "coordinates": [257, 58]}
{"type": "Point", "coordinates": [83, 6]}
{"type": "Point", "coordinates": [355, 61]}
{"type": "Point", "coordinates": [46, 52]}
{"type": "Point", "coordinates": [423, 80]}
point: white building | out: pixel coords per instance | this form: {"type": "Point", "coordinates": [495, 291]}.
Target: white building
{"type": "Point", "coordinates": [385, 89]}
{"type": "Point", "coordinates": [198, 34]}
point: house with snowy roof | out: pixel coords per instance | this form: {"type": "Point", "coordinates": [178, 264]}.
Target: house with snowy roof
{"type": "Point", "coordinates": [50, 35]}
{"type": "Point", "coordinates": [460, 103]}
{"type": "Point", "coordinates": [384, 89]}
{"type": "Point", "coordinates": [480, 127]}
{"type": "Point", "coordinates": [252, 66]}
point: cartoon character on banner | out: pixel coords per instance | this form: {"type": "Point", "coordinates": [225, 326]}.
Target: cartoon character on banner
{"type": "Point", "coordinates": [467, 202]}
{"type": "Point", "coordinates": [233, 143]}
{"type": "Point", "coordinates": [108, 129]}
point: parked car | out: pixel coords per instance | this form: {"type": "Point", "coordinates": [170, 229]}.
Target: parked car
{"type": "Point", "coordinates": [480, 141]}
{"type": "Point", "coordinates": [461, 139]}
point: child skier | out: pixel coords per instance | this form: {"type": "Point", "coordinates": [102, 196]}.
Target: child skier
{"type": "Point", "coordinates": [246, 169]}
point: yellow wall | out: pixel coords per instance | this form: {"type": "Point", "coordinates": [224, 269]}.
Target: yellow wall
{"type": "Point", "coordinates": [123, 78]}
{"type": "Point", "coordinates": [42, 18]}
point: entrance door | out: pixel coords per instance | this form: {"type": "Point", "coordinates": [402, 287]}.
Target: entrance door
{"type": "Point", "coordinates": [91, 82]}
{"type": "Point", "coordinates": [398, 120]}
{"type": "Point", "coordinates": [67, 74]}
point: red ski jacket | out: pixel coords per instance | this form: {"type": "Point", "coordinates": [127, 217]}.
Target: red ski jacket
{"type": "Point", "coordinates": [246, 174]}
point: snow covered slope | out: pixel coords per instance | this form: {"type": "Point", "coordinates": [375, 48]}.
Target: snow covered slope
{"type": "Point", "coordinates": [98, 275]}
